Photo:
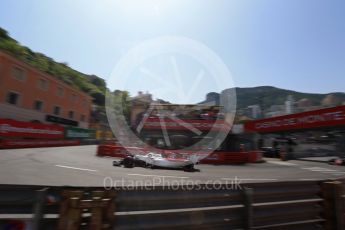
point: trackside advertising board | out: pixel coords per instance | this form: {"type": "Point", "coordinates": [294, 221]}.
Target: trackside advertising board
{"type": "Point", "coordinates": [328, 117]}
{"type": "Point", "coordinates": [8, 144]}
{"type": "Point", "coordinates": [12, 128]}
{"type": "Point", "coordinates": [79, 133]}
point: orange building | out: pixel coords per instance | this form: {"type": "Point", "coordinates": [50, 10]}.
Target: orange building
{"type": "Point", "coordinates": [27, 94]}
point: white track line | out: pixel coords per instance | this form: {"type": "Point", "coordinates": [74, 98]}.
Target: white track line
{"type": "Point", "coordinates": [325, 170]}
{"type": "Point", "coordinates": [281, 163]}
{"type": "Point", "coordinates": [306, 179]}
{"type": "Point", "coordinates": [337, 172]}
{"type": "Point", "coordinates": [319, 169]}
{"type": "Point", "coordinates": [182, 177]}
{"type": "Point", "coordinates": [70, 167]}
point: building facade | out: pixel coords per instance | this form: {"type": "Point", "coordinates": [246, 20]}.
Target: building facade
{"type": "Point", "coordinates": [27, 94]}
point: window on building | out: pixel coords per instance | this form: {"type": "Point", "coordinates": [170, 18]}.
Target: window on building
{"type": "Point", "coordinates": [38, 105]}
{"type": "Point", "coordinates": [84, 103]}
{"type": "Point", "coordinates": [74, 97]}
{"type": "Point", "coordinates": [70, 114]}
{"type": "Point", "coordinates": [56, 110]}
{"type": "Point", "coordinates": [18, 73]}
{"type": "Point", "coordinates": [82, 117]}
{"type": "Point", "coordinates": [12, 98]}
{"type": "Point", "coordinates": [59, 91]}
{"type": "Point", "coordinates": [42, 84]}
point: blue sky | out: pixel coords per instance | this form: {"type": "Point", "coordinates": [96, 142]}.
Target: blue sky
{"type": "Point", "coordinates": [293, 44]}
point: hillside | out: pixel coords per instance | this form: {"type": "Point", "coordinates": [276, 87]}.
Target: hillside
{"type": "Point", "coordinates": [90, 84]}
{"type": "Point", "coordinates": [268, 95]}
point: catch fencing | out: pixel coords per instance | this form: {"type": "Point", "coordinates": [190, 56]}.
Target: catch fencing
{"type": "Point", "coordinates": [275, 205]}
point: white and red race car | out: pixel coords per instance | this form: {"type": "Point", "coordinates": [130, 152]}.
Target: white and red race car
{"type": "Point", "coordinates": [156, 160]}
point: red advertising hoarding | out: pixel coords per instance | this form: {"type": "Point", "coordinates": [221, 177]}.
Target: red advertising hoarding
{"type": "Point", "coordinates": [9, 144]}
{"type": "Point", "coordinates": [186, 124]}
{"type": "Point", "coordinates": [329, 117]}
{"type": "Point", "coordinates": [12, 128]}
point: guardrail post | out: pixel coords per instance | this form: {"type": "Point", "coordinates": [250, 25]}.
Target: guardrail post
{"type": "Point", "coordinates": [38, 209]}
{"type": "Point", "coordinates": [64, 205]}
{"type": "Point", "coordinates": [109, 214]}
{"type": "Point", "coordinates": [101, 208]}
{"type": "Point", "coordinates": [332, 192]}
{"type": "Point", "coordinates": [74, 214]}
{"type": "Point", "coordinates": [248, 208]}
{"type": "Point", "coordinates": [70, 213]}
{"type": "Point", "coordinates": [96, 210]}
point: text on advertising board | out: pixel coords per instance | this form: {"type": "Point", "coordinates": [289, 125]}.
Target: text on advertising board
{"type": "Point", "coordinates": [306, 120]}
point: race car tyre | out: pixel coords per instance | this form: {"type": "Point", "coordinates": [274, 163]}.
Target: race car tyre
{"type": "Point", "coordinates": [128, 162]}
{"type": "Point", "coordinates": [189, 168]}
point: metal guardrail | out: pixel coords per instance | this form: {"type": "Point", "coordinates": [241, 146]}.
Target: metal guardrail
{"type": "Point", "coordinates": [274, 205]}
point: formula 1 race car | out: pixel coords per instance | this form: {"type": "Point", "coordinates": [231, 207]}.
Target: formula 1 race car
{"type": "Point", "coordinates": [154, 160]}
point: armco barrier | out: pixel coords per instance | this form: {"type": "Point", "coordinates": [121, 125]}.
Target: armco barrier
{"type": "Point", "coordinates": [255, 157]}
{"type": "Point", "coordinates": [226, 158]}
{"type": "Point", "coordinates": [111, 151]}
{"type": "Point", "coordinates": [276, 205]}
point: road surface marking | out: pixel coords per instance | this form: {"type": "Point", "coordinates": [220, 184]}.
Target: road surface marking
{"type": "Point", "coordinates": [315, 168]}
{"type": "Point", "coordinates": [325, 170]}
{"type": "Point", "coordinates": [337, 172]}
{"type": "Point", "coordinates": [70, 167]}
{"type": "Point", "coordinates": [305, 179]}
{"type": "Point", "coordinates": [282, 163]}
{"type": "Point", "coordinates": [182, 177]}
{"type": "Point", "coordinates": [319, 169]}
{"type": "Point", "coordinates": [244, 179]}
